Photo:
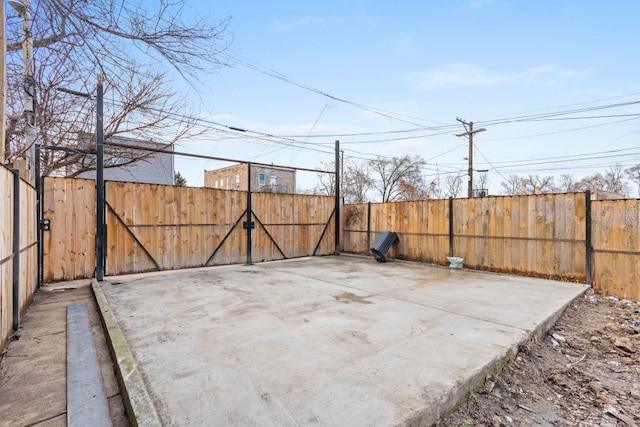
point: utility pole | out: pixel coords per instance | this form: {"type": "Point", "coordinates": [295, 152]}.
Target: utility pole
{"type": "Point", "coordinates": [468, 126]}
{"type": "Point", "coordinates": [23, 7]}
{"type": "Point", "coordinates": [3, 80]}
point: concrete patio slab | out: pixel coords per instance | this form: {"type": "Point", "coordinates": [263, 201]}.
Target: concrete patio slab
{"type": "Point", "coordinates": [330, 341]}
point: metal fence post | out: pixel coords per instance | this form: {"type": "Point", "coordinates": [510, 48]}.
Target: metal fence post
{"type": "Point", "coordinates": [450, 226]}
{"type": "Point", "coordinates": [249, 223]}
{"type": "Point", "coordinates": [100, 183]}
{"type": "Point", "coordinates": [16, 249]}
{"type": "Point", "coordinates": [368, 228]}
{"type": "Point", "coordinates": [39, 216]}
{"type": "Point", "coordinates": [587, 237]}
{"type": "Point", "coordinates": [337, 202]}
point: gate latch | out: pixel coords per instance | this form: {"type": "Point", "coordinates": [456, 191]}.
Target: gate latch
{"type": "Point", "coordinates": [248, 224]}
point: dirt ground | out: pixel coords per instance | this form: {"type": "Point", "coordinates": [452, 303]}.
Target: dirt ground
{"type": "Point", "coordinates": [585, 372]}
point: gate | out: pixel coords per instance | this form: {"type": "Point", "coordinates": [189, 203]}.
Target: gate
{"type": "Point", "coordinates": [157, 227]}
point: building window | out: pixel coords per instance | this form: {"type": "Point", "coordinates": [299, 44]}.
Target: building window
{"type": "Point", "coordinates": [216, 186]}
{"type": "Point", "coordinates": [273, 181]}
{"type": "Point", "coordinates": [227, 183]}
{"type": "Point", "coordinates": [261, 179]}
{"type": "Point", "coordinates": [237, 181]}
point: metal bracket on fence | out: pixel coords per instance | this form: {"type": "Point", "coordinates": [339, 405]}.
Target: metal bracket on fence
{"type": "Point", "coordinates": [45, 225]}
{"type": "Point", "coordinates": [247, 224]}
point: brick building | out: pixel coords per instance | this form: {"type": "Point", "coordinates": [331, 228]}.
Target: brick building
{"type": "Point", "coordinates": [263, 178]}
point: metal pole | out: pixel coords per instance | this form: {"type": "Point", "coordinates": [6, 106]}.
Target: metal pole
{"type": "Point", "coordinates": [368, 227]}
{"type": "Point", "coordinates": [588, 248]}
{"type": "Point", "coordinates": [470, 172]}
{"type": "Point", "coordinates": [249, 214]}
{"type": "Point", "coordinates": [16, 249]}
{"type": "Point", "coordinates": [39, 215]}
{"type": "Point", "coordinates": [450, 226]}
{"type": "Point", "coordinates": [337, 201]}
{"type": "Point", "coordinates": [100, 238]}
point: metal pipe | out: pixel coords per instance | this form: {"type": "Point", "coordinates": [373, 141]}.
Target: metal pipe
{"type": "Point", "coordinates": [204, 156]}
{"type": "Point", "coordinates": [249, 213]}
{"type": "Point", "coordinates": [16, 249]}
{"type": "Point", "coordinates": [587, 238]}
{"type": "Point", "coordinates": [450, 226]}
{"type": "Point", "coordinates": [39, 216]}
{"type": "Point", "coordinates": [368, 228]}
{"type": "Point", "coordinates": [100, 205]}
{"type": "Point", "coordinates": [337, 198]}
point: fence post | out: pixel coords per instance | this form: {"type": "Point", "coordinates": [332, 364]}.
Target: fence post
{"type": "Point", "coordinates": [249, 224]}
{"type": "Point", "coordinates": [40, 216]}
{"type": "Point", "coordinates": [368, 228]}
{"type": "Point", "coordinates": [450, 226]}
{"type": "Point", "coordinates": [16, 249]}
{"type": "Point", "coordinates": [587, 236]}
{"type": "Point", "coordinates": [337, 198]}
{"type": "Point", "coordinates": [100, 200]}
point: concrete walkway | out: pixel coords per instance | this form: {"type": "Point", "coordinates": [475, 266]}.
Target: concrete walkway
{"type": "Point", "coordinates": [33, 371]}
{"type": "Point", "coordinates": [330, 341]}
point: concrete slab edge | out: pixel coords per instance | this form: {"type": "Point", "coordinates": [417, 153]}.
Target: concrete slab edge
{"type": "Point", "coordinates": [139, 406]}
{"type": "Point", "coordinates": [461, 391]}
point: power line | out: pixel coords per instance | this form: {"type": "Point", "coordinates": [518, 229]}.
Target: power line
{"type": "Point", "coordinates": [280, 76]}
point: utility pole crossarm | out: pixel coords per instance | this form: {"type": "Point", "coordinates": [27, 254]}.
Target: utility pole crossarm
{"type": "Point", "coordinates": [468, 126]}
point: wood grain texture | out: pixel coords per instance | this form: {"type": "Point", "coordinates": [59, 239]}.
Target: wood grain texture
{"type": "Point", "coordinates": [541, 235]}
{"type": "Point", "coordinates": [6, 253]}
{"type": "Point", "coordinates": [69, 247]}
{"type": "Point", "coordinates": [616, 247]}
{"type": "Point", "coordinates": [28, 250]}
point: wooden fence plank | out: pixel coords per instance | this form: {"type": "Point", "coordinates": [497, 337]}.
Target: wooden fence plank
{"type": "Point", "coordinates": [27, 250]}
{"type": "Point", "coordinates": [6, 253]}
{"type": "Point", "coordinates": [69, 246]}
{"type": "Point", "coordinates": [538, 235]}
{"type": "Point", "coordinates": [516, 234]}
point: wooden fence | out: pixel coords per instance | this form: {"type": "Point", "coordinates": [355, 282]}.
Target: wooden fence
{"type": "Point", "coordinates": [559, 236]}
{"type": "Point", "coordinates": [18, 251]}
{"type": "Point", "coordinates": [158, 227]}
{"type": "Point", "coordinates": [616, 247]}
{"type": "Point", "coordinates": [153, 227]}
{"type": "Point", "coordinates": [69, 245]}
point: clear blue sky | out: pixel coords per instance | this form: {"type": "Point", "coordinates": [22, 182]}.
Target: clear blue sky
{"type": "Point", "coordinates": [428, 62]}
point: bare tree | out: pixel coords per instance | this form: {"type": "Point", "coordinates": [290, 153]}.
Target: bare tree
{"type": "Point", "coordinates": [326, 181]}
{"type": "Point", "coordinates": [612, 181]}
{"type": "Point", "coordinates": [633, 173]}
{"type": "Point", "coordinates": [533, 184]}
{"type": "Point", "coordinates": [540, 185]}
{"type": "Point", "coordinates": [482, 182]}
{"type": "Point", "coordinates": [566, 184]}
{"type": "Point", "coordinates": [132, 46]}
{"type": "Point", "coordinates": [433, 189]}
{"type": "Point", "coordinates": [398, 178]}
{"type": "Point", "coordinates": [514, 185]}
{"type": "Point", "coordinates": [453, 185]}
{"type": "Point", "coordinates": [356, 182]}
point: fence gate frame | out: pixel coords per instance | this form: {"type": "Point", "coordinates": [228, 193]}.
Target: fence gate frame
{"type": "Point", "coordinates": [248, 217]}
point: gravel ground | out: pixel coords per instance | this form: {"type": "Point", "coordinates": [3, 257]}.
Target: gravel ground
{"type": "Point", "coordinates": [585, 372]}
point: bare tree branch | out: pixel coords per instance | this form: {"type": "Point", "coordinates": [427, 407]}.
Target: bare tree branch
{"type": "Point", "coordinates": [127, 42]}
{"type": "Point", "coordinates": [399, 178]}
